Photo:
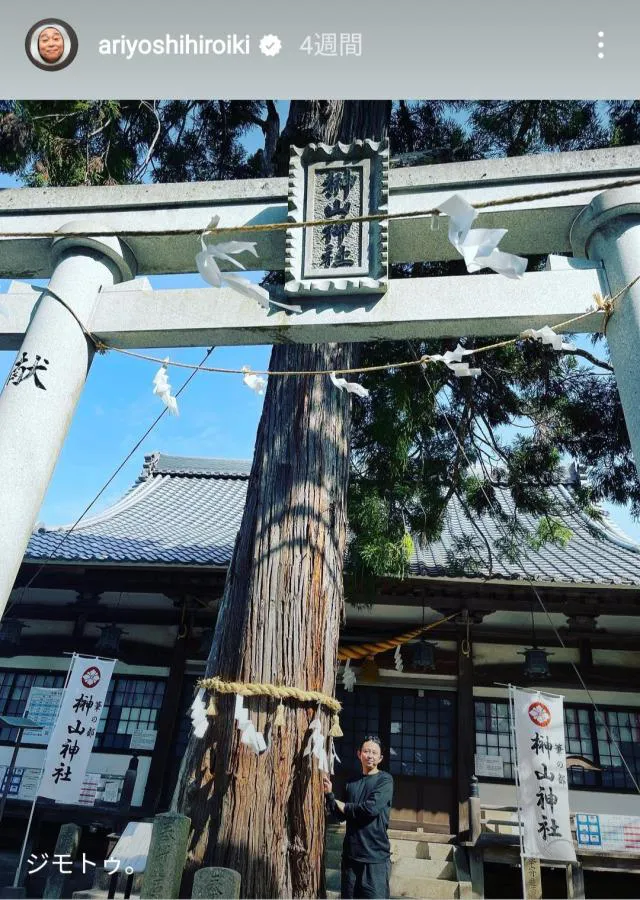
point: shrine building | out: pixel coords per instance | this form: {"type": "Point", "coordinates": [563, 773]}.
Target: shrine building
{"type": "Point", "coordinates": [142, 581]}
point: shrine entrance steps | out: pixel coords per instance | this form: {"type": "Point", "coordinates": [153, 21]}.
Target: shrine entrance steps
{"type": "Point", "coordinates": [422, 866]}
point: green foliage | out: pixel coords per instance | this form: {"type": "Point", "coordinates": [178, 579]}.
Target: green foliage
{"type": "Point", "coordinates": [66, 143]}
{"type": "Point", "coordinates": [550, 531]}
{"type": "Point", "coordinates": [81, 142]}
{"type": "Point", "coordinates": [517, 127]}
{"type": "Point", "coordinates": [379, 547]}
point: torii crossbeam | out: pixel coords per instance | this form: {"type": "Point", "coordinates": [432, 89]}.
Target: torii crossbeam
{"type": "Point", "coordinates": [154, 229]}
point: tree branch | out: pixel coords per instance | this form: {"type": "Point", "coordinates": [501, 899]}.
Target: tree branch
{"type": "Point", "coordinates": [589, 356]}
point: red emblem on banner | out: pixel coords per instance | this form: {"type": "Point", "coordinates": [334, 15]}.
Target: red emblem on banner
{"type": "Point", "coordinates": [540, 714]}
{"type": "Point", "coordinates": [91, 677]}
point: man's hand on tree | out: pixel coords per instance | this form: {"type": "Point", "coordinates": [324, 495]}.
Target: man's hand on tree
{"type": "Point", "coordinates": [327, 787]}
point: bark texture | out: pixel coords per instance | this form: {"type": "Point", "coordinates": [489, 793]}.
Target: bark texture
{"type": "Point", "coordinates": [283, 603]}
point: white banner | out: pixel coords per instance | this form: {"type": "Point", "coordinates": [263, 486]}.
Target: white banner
{"type": "Point", "coordinates": [75, 730]}
{"type": "Point", "coordinates": [543, 792]}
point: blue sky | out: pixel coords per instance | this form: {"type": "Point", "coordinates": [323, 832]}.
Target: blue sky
{"type": "Point", "coordinates": [218, 417]}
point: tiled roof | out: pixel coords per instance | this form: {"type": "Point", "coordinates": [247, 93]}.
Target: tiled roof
{"type": "Point", "coordinates": [187, 511]}
{"type": "Point", "coordinates": [595, 553]}
{"type": "Point", "coordinates": [182, 511]}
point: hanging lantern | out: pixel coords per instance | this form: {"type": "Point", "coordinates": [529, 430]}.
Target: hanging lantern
{"type": "Point", "coordinates": [108, 644]}
{"type": "Point", "coordinates": [536, 662]}
{"type": "Point", "coordinates": [369, 669]}
{"type": "Point", "coordinates": [11, 632]}
{"type": "Point", "coordinates": [424, 656]}
{"type": "Point", "coordinates": [205, 640]}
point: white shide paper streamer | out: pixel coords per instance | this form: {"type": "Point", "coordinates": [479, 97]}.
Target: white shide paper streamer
{"type": "Point", "coordinates": [257, 383]}
{"type": "Point", "coordinates": [479, 246]}
{"type": "Point", "coordinates": [198, 715]}
{"type": "Point", "coordinates": [207, 263]}
{"type": "Point", "coordinates": [162, 389]}
{"type": "Point", "coordinates": [348, 677]}
{"type": "Point", "coordinates": [547, 335]}
{"type": "Point", "coordinates": [453, 359]}
{"type": "Point", "coordinates": [250, 736]}
{"type": "Point", "coordinates": [351, 387]}
{"type": "Point", "coordinates": [316, 745]}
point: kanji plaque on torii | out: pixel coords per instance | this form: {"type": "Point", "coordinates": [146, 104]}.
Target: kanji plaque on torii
{"type": "Point", "coordinates": [336, 184]}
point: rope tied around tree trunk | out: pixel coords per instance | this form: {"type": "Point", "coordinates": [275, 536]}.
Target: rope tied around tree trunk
{"type": "Point", "coordinates": [216, 685]}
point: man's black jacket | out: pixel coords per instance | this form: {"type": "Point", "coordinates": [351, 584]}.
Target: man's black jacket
{"type": "Point", "coordinates": [366, 811]}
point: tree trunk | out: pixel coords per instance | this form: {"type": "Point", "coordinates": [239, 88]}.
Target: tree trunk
{"type": "Point", "coordinates": [282, 607]}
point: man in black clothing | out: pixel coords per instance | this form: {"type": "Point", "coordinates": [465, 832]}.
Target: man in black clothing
{"type": "Point", "coordinates": [366, 853]}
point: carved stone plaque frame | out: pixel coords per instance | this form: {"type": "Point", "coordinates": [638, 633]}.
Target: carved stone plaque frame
{"type": "Point", "coordinates": [337, 183]}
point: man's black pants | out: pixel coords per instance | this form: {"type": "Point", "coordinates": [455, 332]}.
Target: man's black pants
{"type": "Point", "coordinates": [368, 881]}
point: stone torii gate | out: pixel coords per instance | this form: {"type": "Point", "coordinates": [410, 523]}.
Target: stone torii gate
{"type": "Point", "coordinates": [154, 229]}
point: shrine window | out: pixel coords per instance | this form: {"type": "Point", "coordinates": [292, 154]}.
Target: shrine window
{"type": "Point", "coordinates": [131, 705]}
{"type": "Point", "coordinates": [14, 693]}
{"type": "Point", "coordinates": [618, 736]}
{"type": "Point", "coordinates": [493, 734]}
{"type": "Point", "coordinates": [421, 738]}
{"type": "Point", "coordinates": [360, 716]}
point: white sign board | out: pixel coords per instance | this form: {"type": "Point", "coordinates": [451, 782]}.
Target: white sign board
{"type": "Point", "coordinates": [143, 739]}
{"type": "Point", "coordinates": [608, 833]}
{"type": "Point", "coordinates": [112, 788]}
{"type": "Point", "coordinates": [42, 705]}
{"type": "Point", "coordinates": [489, 766]}
{"type": "Point", "coordinates": [89, 789]}
{"type": "Point", "coordinates": [15, 782]}
{"type": "Point", "coordinates": [543, 790]}
{"type": "Point", "coordinates": [75, 731]}
{"type": "Point", "coordinates": [132, 848]}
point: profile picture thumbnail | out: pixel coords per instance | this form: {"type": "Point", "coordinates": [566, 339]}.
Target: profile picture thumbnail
{"type": "Point", "coordinates": [51, 44]}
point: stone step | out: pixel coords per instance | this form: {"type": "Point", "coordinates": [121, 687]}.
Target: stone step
{"type": "Point", "coordinates": [414, 846]}
{"type": "Point", "coordinates": [423, 868]}
{"type": "Point", "coordinates": [439, 851]}
{"type": "Point", "coordinates": [426, 888]}
{"type": "Point", "coordinates": [333, 880]}
{"type": "Point", "coordinates": [333, 895]}
{"type": "Point", "coordinates": [403, 849]}
{"type": "Point", "coordinates": [334, 840]}
{"type": "Point", "coordinates": [97, 894]}
{"type": "Point", "coordinates": [409, 850]}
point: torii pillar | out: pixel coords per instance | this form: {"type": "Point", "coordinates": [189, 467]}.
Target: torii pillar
{"type": "Point", "coordinates": [42, 391]}
{"type": "Point", "coordinates": [608, 231]}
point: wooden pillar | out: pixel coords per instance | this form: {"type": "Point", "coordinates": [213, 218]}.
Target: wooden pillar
{"type": "Point", "coordinates": [575, 881]}
{"type": "Point", "coordinates": [167, 722]}
{"type": "Point", "coordinates": [476, 867]}
{"type": "Point", "coordinates": [465, 736]}
{"type": "Point", "coordinates": [475, 811]}
{"type": "Point", "coordinates": [586, 654]}
{"type": "Point", "coordinates": [532, 878]}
